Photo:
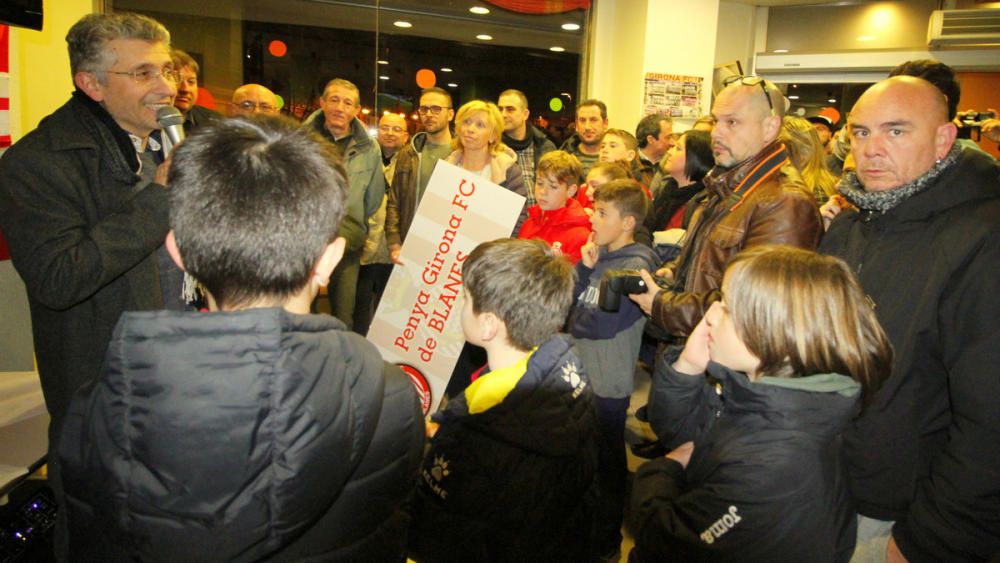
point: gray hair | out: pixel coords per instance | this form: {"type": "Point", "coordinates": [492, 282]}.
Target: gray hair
{"type": "Point", "coordinates": [89, 36]}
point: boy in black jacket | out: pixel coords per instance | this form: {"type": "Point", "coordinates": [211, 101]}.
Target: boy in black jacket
{"type": "Point", "coordinates": [510, 471]}
{"type": "Point", "coordinates": [255, 431]}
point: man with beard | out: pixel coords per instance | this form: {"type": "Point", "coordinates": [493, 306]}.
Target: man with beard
{"type": "Point", "coordinates": [415, 164]}
{"type": "Point", "coordinates": [585, 144]}
{"type": "Point", "coordinates": [755, 197]}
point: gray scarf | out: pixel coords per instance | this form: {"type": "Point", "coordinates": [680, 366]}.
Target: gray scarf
{"type": "Point", "coordinates": [865, 200]}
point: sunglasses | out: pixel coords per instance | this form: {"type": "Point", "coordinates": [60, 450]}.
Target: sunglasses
{"type": "Point", "coordinates": [751, 81]}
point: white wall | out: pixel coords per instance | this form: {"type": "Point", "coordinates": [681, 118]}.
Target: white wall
{"type": "Point", "coordinates": [734, 40]}
{"type": "Point", "coordinates": [632, 37]}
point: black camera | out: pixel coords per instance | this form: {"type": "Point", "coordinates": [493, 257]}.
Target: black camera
{"type": "Point", "coordinates": [972, 122]}
{"type": "Point", "coordinates": [975, 119]}
{"type": "Point", "coordinates": [614, 284]}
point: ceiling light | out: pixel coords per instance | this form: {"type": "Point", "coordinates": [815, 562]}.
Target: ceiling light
{"type": "Point", "coordinates": [383, 62]}
{"type": "Point", "coordinates": [557, 49]}
{"type": "Point", "coordinates": [445, 69]}
{"type": "Point", "coordinates": [402, 24]}
{"type": "Point", "coordinates": [484, 37]}
{"type": "Point", "coordinates": [832, 100]}
{"type": "Point", "coordinates": [452, 85]}
{"type": "Point", "coordinates": [571, 26]}
{"type": "Point", "coordinates": [480, 10]}
{"type": "Point", "coordinates": [781, 50]}
{"type": "Point", "coordinates": [793, 97]}
{"type": "Point", "coordinates": [383, 77]}
{"type": "Point", "coordinates": [795, 85]}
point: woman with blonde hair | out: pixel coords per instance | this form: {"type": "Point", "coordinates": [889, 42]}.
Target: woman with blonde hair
{"type": "Point", "coordinates": [808, 156]}
{"type": "Point", "coordinates": [478, 149]}
{"type": "Point", "coordinates": [754, 406]}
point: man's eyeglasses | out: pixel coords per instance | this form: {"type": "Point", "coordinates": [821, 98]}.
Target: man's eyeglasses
{"type": "Point", "coordinates": [751, 81]}
{"type": "Point", "coordinates": [433, 110]}
{"type": "Point", "coordinates": [391, 129]}
{"type": "Point", "coordinates": [252, 106]}
{"type": "Point", "coordinates": [147, 75]}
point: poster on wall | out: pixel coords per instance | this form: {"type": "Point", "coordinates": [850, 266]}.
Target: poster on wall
{"type": "Point", "coordinates": [417, 325]}
{"type": "Point", "coordinates": [672, 94]}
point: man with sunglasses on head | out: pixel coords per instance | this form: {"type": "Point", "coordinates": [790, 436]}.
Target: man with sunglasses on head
{"type": "Point", "coordinates": [755, 197]}
{"type": "Point", "coordinates": [415, 164]}
{"type": "Point", "coordinates": [84, 207]}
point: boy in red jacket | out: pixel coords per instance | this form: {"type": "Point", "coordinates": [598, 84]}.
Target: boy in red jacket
{"type": "Point", "coordinates": [558, 218]}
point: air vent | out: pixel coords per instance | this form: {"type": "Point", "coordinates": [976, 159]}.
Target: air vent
{"type": "Point", "coordinates": [963, 28]}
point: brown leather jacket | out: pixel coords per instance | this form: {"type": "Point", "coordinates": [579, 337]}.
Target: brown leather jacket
{"type": "Point", "coordinates": [780, 210]}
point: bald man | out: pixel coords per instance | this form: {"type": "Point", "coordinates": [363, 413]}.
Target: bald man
{"type": "Point", "coordinates": [755, 197]}
{"type": "Point", "coordinates": [924, 456]}
{"type": "Point", "coordinates": [254, 98]}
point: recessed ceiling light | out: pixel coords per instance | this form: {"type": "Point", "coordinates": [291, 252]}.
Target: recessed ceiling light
{"type": "Point", "coordinates": [484, 37]}
{"type": "Point", "coordinates": [793, 97]}
{"type": "Point", "coordinates": [383, 62]}
{"type": "Point", "coordinates": [795, 85]}
{"type": "Point", "coordinates": [479, 10]}
{"type": "Point", "coordinates": [403, 24]}
{"type": "Point", "coordinates": [452, 85]}
{"type": "Point", "coordinates": [445, 69]}
{"type": "Point", "coordinates": [383, 77]}
{"type": "Point", "coordinates": [781, 50]}
{"type": "Point", "coordinates": [832, 100]}
{"type": "Point", "coordinates": [571, 26]}
{"type": "Point", "coordinates": [557, 49]}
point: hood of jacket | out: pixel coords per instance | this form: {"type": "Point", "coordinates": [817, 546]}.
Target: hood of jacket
{"type": "Point", "coordinates": [358, 133]}
{"type": "Point", "coordinates": [806, 404]}
{"type": "Point", "coordinates": [549, 409]}
{"type": "Point", "coordinates": [500, 162]}
{"type": "Point", "coordinates": [533, 136]}
{"type": "Point", "coordinates": [568, 216]}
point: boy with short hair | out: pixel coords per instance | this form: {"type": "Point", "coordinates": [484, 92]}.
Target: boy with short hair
{"type": "Point", "coordinates": [608, 342]}
{"type": "Point", "coordinates": [510, 473]}
{"type": "Point", "coordinates": [257, 430]}
{"type": "Point", "coordinates": [557, 217]}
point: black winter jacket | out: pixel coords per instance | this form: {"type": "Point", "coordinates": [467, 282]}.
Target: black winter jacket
{"type": "Point", "coordinates": [246, 436]}
{"type": "Point", "coordinates": [515, 482]}
{"type": "Point", "coordinates": [765, 481]}
{"type": "Point", "coordinates": [926, 453]}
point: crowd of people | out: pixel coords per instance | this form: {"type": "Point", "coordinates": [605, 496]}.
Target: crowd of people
{"type": "Point", "coordinates": [817, 309]}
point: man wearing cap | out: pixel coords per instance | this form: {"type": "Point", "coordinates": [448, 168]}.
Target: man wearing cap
{"type": "Point", "coordinates": [824, 128]}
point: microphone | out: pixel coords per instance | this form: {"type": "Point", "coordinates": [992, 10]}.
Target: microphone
{"type": "Point", "coordinates": [170, 119]}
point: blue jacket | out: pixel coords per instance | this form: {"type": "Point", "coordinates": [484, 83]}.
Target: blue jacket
{"type": "Point", "coordinates": [586, 319]}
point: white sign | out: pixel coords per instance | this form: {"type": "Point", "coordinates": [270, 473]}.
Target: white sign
{"type": "Point", "coordinates": [417, 325]}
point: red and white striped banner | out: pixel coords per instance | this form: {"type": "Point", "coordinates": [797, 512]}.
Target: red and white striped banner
{"type": "Point", "coordinates": [4, 109]}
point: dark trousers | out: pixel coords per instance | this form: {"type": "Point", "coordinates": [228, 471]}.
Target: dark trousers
{"type": "Point", "coordinates": [612, 473]}
{"type": "Point", "coordinates": [343, 286]}
{"type": "Point", "coordinates": [372, 279]}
